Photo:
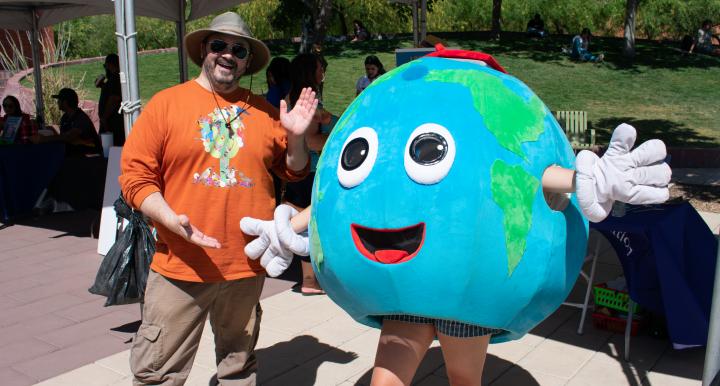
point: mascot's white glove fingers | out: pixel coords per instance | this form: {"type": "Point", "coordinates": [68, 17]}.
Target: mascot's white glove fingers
{"type": "Point", "coordinates": [648, 153]}
{"type": "Point", "coordinates": [622, 140]}
{"type": "Point", "coordinates": [254, 227]}
{"type": "Point", "coordinates": [586, 187]}
{"type": "Point", "coordinates": [273, 257]}
{"type": "Point", "coordinates": [296, 243]}
{"type": "Point", "coordinates": [641, 195]}
{"type": "Point", "coordinates": [655, 175]}
{"type": "Point", "coordinates": [278, 265]}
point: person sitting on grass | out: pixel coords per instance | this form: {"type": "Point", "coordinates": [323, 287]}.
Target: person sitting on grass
{"type": "Point", "coordinates": [703, 41]}
{"type": "Point", "coordinates": [580, 45]}
{"type": "Point", "coordinates": [360, 32]}
{"type": "Point", "coordinates": [536, 27]}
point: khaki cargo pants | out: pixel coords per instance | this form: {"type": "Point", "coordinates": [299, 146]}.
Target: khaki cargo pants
{"type": "Point", "coordinates": [173, 319]}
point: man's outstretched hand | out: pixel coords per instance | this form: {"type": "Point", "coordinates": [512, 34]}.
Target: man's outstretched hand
{"type": "Point", "coordinates": [189, 232]}
{"type": "Point", "coordinates": [635, 177]}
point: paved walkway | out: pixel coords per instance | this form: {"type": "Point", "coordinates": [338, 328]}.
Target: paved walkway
{"type": "Point", "coordinates": [52, 331]}
{"type": "Point", "coordinates": [697, 176]}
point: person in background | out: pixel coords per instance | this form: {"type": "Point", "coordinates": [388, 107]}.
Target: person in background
{"type": "Point", "coordinates": [27, 128]}
{"type": "Point", "coordinates": [307, 70]}
{"type": "Point", "coordinates": [703, 40]}
{"type": "Point", "coordinates": [536, 27]}
{"type": "Point", "coordinates": [360, 32]}
{"type": "Point", "coordinates": [277, 75]}
{"type": "Point", "coordinates": [111, 121]}
{"type": "Point", "coordinates": [79, 183]}
{"type": "Point", "coordinates": [373, 69]}
{"type": "Point", "coordinates": [580, 44]}
{"type": "Point", "coordinates": [76, 129]}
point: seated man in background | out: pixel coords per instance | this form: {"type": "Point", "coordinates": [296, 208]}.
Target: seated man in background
{"type": "Point", "coordinates": [80, 182]}
{"type": "Point", "coordinates": [76, 129]}
{"type": "Point", "coordinates": [536, 27]}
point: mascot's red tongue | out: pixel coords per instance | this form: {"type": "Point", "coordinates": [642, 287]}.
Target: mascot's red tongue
{"type": "Point", "coordinates": [390, 256]}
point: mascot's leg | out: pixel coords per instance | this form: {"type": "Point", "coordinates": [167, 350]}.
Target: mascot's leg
{"type": "Point", "coordinates": [401, 348]}
{"type": "Point", "coordinates": [464, 358]}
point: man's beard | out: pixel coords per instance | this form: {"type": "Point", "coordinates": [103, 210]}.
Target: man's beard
{"type": "Point", "coordinates": [222, 81]}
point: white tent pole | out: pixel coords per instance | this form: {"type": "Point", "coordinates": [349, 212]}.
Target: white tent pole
{"type": "Point", "coordinates": [122, 53]}
{"type": "Point", "coordinates": [133, 83]}
{"type": "Point", "coordinates": [712, 351]}
{"type": "Point", "coordinates": [35, 36]}
{"type": "Point", "coordinates": [180, 31]}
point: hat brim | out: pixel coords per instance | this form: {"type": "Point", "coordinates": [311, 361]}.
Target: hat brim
{"type": "Point", "coordinates": [258, 49]}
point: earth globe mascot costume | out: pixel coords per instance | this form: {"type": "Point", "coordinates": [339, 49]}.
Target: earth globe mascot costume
{"type": "Point", "coordinates": [428, 200]}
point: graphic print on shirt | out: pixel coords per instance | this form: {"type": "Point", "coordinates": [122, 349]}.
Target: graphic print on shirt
{"type": "Point", "coordinates": [222, 143]}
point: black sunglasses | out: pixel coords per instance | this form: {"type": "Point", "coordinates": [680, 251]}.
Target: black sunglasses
{"type": "Point", "coordinates": [218, 46]}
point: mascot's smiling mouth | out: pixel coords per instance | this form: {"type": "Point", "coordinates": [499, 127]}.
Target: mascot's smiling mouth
{"type": "Point", "coordinates": [389, 246]}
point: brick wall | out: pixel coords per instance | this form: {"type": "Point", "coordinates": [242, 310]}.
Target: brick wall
{"type": "Point", "coordinates": [21, 40]}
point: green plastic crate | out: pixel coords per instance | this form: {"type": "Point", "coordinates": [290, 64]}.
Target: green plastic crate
{"type": "Point", "coordinates": [610, 298]}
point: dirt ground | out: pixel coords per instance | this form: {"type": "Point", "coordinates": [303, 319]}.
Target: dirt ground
{"type": "Point", "coordinates": [704, 198]}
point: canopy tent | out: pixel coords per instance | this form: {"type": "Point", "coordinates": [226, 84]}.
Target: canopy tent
{"type": "Point", "coordinates": [17, 14]}
{"type": "Point", "coordinates": [33, 15]}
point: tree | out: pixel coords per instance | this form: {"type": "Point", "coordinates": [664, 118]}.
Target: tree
{"type": "Point", "coordinates": [314, 16]}
{"type": "Point", "coordinates": [315, 23]}
{"type": "Point", "coordinates": [496, 12]}
{"type": "Point", "coordinates": [630, 14]}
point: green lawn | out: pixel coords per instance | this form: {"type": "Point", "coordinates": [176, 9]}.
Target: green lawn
{"type": "Point", "coordinates": [663, 94]}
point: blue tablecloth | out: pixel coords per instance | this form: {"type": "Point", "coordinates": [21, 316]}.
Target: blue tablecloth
{"type": "Point", "coordinates": [668, 254]}
{"type": "Point", "coordinates": [25, 170]}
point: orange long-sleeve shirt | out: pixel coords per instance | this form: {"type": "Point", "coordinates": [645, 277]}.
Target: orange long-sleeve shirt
{"type": "Point", "coordinates": [181, 147]}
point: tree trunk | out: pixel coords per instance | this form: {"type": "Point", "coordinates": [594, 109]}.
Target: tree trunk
{"type": "Point", "coordinates": [322, 20]}
{"type": "Point", "coordinates": [315, 24]}
{"type": "Point", "coordinates": [341, 16]}
{"type": "Point", "coordinates": [496, 15]}
{"type": "Point", "coordinates": [308, 34]}
{"type": "Point", "coordinates": [630, 14]}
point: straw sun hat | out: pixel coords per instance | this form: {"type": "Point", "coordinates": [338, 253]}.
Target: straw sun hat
{"type": "Point", "coordinates": [229, 23]}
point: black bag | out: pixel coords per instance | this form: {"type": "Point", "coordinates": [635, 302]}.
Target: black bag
{"type": "Point", "coordinates": [124, 271]}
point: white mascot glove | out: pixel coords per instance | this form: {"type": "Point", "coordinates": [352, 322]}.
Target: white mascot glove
{"type": "Point", "coordinates": [296, 243]}
{"type": "Point", "coordinates": [637, 177]}
{"type": "Point", "coordinates": [275, 259]}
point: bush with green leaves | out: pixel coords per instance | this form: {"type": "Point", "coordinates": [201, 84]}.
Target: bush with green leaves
{"type": "Point", "coordinates": [276, 19]}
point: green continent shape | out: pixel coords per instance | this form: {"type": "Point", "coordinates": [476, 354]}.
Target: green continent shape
{"type": "Point", "coordinates": [513, 190]}
{"type": "Point", "coordinates": [510, 118]}
{"type": "Point", "coordinates": [315, 245]}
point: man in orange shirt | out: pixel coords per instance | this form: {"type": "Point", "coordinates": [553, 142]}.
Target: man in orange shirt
{"type": "Point", "coordinates": [197, 161]}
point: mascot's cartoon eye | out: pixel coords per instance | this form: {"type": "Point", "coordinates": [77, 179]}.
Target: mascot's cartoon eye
{"type": "Point", "coordinates": [429, 153]}
{"type": "Point", "coordinates": [355, 153]}
{"type": "Point", "coordinates": [428, 148]}
{"type": "Point", "coordinates": [358, 157]}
